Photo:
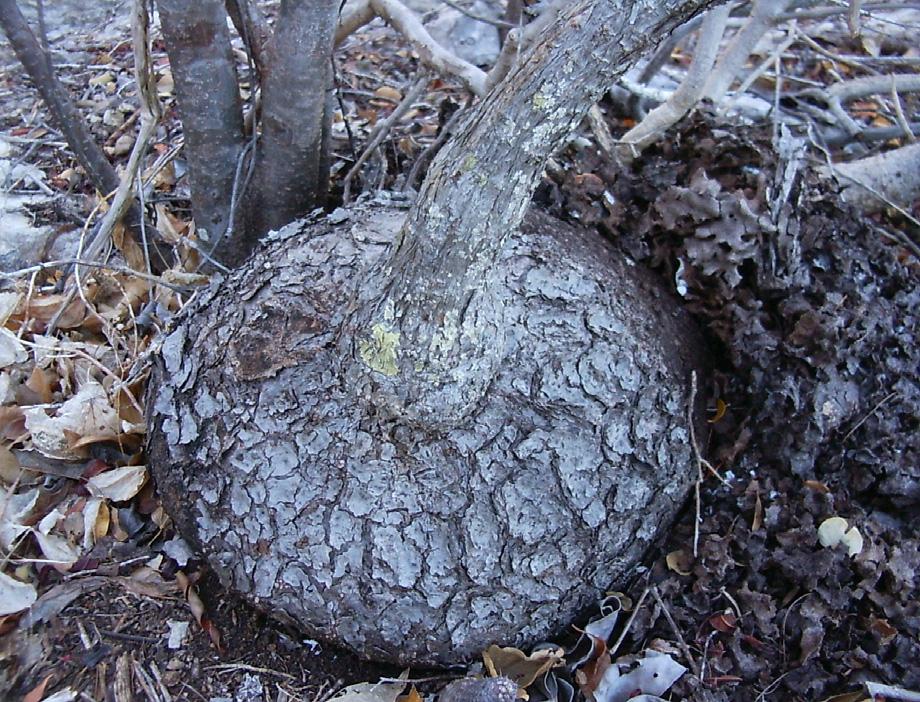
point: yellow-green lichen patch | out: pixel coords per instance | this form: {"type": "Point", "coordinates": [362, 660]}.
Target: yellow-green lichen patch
{"type": "Point", "coordinates": [379, 352]}
{"type": "Point", "coordinates": [540, 101]}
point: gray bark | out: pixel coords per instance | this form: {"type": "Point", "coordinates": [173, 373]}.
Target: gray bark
{"type": "Point", "coordinates": [202, 63]}
{"type": "Point", "coordinates": [292, 169]}
{"type": "Point", "coordinates": [397, 541]}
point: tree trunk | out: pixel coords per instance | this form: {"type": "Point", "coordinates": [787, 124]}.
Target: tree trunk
{"type": "Point", "coordinates": [293, 167]}
{"type": "Point", "coordinates": [419, 435]}
{"type": "Point", "coordinates": [201, 59]}
{"type": "Point", "coordinates": [435, 300]}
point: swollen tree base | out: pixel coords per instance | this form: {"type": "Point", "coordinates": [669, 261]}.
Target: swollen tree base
{"type": "Point", "coordinates": [378, 533]}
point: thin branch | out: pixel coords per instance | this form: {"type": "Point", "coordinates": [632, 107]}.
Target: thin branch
{"type": "Point", "coordinates": [54, 265]}
{"type": "Point", "coordinates": [763, 17]}
{"type": "Point", "coordinates": [479, 18]}
{"type": "Point", "coordinates": [899, 113]}
{"type": "Point", "coordinates": [151, 112]}
{"type": "Point", "coordinates": [687, 95]}
{"type": "Point", "coordinates": [681, 644]}
{"type": "Point", "coordinates": [839, 93]}
{"type": "Point", "coordinates": [428, 154]}
{"type": "Point", "coordinates": [513, 17]}
{"type": "Point", "coordinates": [430, 52]}
{"type": "Point", "coordinates": [252, 26]}
{"type": "Point", "coordinates": [358, 15]}
{"type": "Point", "coordinates": [55, 97]}
{"type": "Point", "coordinates": [509, 56]}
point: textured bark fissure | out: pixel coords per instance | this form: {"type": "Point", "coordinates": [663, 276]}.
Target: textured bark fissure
{"type": "Point", "coordinates": [292, 170]}
{"type": "Point", "coordinates": [435, 304]}
{"type": "Point", "coordinates": [203, 68]}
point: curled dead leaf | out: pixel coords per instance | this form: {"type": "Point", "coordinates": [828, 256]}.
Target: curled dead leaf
{"type": "Point", "coordinates": [518, 666]}
{"type": "Point", "coordinates": [118, 484]}
{"type": "Point", "coordinates": [679, 561]}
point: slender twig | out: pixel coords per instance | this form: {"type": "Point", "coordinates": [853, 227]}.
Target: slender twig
{"type": "Point", "coordinates": [52, 265]}
{"type": "Point", "coordinates": [869, 414]}
{"type": "Point", "coordinates": [479, 18]}
{"type": "Point", "coordinates": [681, 644]}
{"type": "Point", "coordinates": [899, 113]}
{"type": "Point", "coordinates": [428, 154]}
{"type": "Point", "coordinates": [619, 642]}
{"type": "Point", "coordinates": [430, 51]}
{"type": "Point", "coordinates": [699, 463]}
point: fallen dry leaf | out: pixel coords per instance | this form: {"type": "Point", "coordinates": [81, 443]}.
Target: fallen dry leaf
{"type": "Point", "coordinates": [118, 484]}
{"type": "Point", "coordinates": [523, 669]}
{"type": "Point", "coordinates": [88, 413]}
{"type": "Point", "coordinates": [15, 595]}
{"type": "Point", "coordinates": [679, 562]}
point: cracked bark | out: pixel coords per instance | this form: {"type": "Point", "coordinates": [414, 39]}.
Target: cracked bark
{"type": "Point", "coordinates": [401, 542]}
{"type": "Point", "coordinates": [419, 434]}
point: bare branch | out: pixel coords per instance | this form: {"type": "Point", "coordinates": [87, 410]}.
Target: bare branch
{"type": "Point", "coordinates": [431, 52]}
{"type": "Point", "coordinates": [513, 18]}
{"type": "Point", "coordinates": [764, 14]}
{"type": "Point", "coordinates": [151, 111]}
{"type": "Point", "coordinates": [291, 175]}
{"type": "Point", "coordinates": [209, 104]}
{"type": "Point", "coordinates": [501, 24]}
{"type": "Point", "coordinates": [252, 25]}
{"type": "Point", "coordinates": [844, 91]}
{"type": "Point", "coordinates": [890, 178]}
{"type": "Point", "coordinates": [510, 55]}
{"type": "Point", "coordinates": [687, 95]}
{"type": "Point", "coordinates": [360, 14]}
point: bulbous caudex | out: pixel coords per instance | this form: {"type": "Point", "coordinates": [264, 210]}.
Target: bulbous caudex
{"type": "Point", "coordinates": [324, 506]}
{"type": "Point", "coordinates": [418, 434]}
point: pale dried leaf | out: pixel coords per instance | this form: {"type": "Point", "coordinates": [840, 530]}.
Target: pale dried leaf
{"type": "Point", "coordinates": [14, 510]}
{"type": "Point", "coordinates": [853, 540]}
{"type": "Point", "coordinates": [95, 521]}
{"type": "Point", "coordinates": [655, 673]}
{"type": "Point", "coordinates": [831, 531]}
{"type": "Point", "coordinates": [15, 595]}
{"type": "Point", "coordinates": [9, 301]}
{"type": "Point", "coordinates": [7, 393]}
{"type": "Point", "coordinates": [88, 413]}
{"type": "Point", "coordinates": [513, 663]}
{"type": "Point", "coordinates": [11, 349]}
{"type": "Point", "coordinates": [56, 548]}
{"type": "Point", "coordinates": [10, 470]}
{"type": "Point", "coordinates": [370, 692]}
{"type": "Point", "coordinates": [118, 484]}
